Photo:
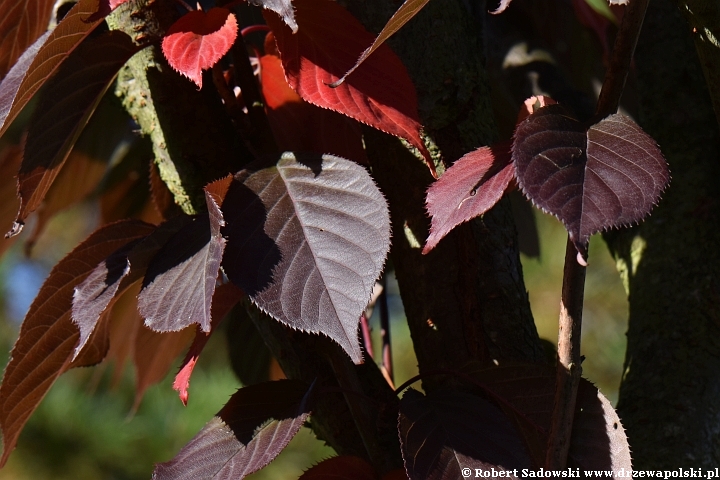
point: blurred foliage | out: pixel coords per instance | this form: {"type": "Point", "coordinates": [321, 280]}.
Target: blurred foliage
{"type": "Point", "coordinates": [84, 429]}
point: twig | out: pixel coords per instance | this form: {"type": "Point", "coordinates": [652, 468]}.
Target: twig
{"type": "Point", "coordinates": [385, 332]}
{"type": "Point", "coordinates": [569, 369]}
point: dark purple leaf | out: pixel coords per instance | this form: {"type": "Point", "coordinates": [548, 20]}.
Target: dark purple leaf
{"type": "Point", "coordinates": [445, 432]}
{"type": "Point", "coordinates": [21, 24]}
{"type": "Point", "coordinates": [66, 104]}
{"type": "Point", "coordinates": [608, 176]}
{"type": "Point", "coordinates": [307, 239]}
{"type": "Point", "coordinates": [471, 187]}
{"type": "Point", "coordinates": [115, 274]}
{"type": "Point", "coordinates": [11, 83]}
{"type": "Point", "coordinates": [283, 8]}
{"type": "Point", "coordinates": [526, 393]}
{"type": "Point", "coordinates": [179, 284]}
{"type": "Point", "coordinates": [248, 433]}
{"type": "Point", "coordinates": [344, 467]}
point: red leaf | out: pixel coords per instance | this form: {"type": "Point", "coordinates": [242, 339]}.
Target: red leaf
{"type": "Point", "coordinates": [328, 43]}
{"type": "Point", "coordinates": [344, 467]}
{"type": "Point", "coordinates": [198, 40]}
{"type": "Point", "coordinates": [225, 297]}
{"type": "Point", "coordinates": [22, 23]}
{"type": "Point", "coordinates": [47, 339]}
{"type": "Point", "coordinates": [471, 187]}
{"type": "Point", "coordinates": [303, 127]}
{"type": "Point", "coordinates": [43, 58]}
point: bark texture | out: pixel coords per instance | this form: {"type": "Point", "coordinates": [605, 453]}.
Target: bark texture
{"type": "Point", "coordinates": [670, 392]}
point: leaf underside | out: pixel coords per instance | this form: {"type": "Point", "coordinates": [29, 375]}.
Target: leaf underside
{"type": "Point", "coordinates": [247, 434]}
{"type": "Point", "coordinates": [307, 238]}
{"type": "Point", "coordinates": [608, 176]}
{"type": "Point", "coordinates": [469, 188]}
{"type": "Point", "coordinates": [445, 432]}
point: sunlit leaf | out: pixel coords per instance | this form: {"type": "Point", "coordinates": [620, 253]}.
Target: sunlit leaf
{"type": "Point", "coordinates": [48, 337]}
{"type": "Point", "coordinates": [21, 24]}
{"type": "Point", "coordinates": [198, 40]}
{"type": "Point", "coordinates": [344, 467]}
{"type": "Point", "coordinates": [307, 239]}
{"type": "Point", "coordinates": [504, 4]}
{"type": "Point", "coordinates": [248, 433]}
{"type": "Point", "coordinates": [469, 188]}
{"type": "Point", "coordinates": [445, 432]}
{"type": "Point", "coordinates": [43, 58]}
{"type": "Point", "coordinates": [283, 8]}
{"type": "Point", "coordinates": [328, 43]}
{"type": "Point", "coordinates": [608, 176]}
{"type": "Point", "coordinates": [66, 104]}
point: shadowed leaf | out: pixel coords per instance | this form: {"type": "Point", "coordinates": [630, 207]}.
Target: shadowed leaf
{"type": "Point", "coordinates": [65, 107]}
{"type": "Point", "coordinates": [283, 8]}
{"type": "Point", "coordinates": [42, 59]}
{"type": "Point", "coordinates": [307, 239]}
{"type": "Point", "coordinates": [526, 393]}
{"type": "Point", "coordinates": [180, 281]}
{"type": "Point", "coordinates": [248, 433]}
{"type": "Point", "coordinates": [469, 188]}
{"type": "Point", "coordinates": [328, 43]}
{"type": "Point", "coordinates": [224, 298]}
{"type": "Point", "coordinates": [608, 176]}
{"type": "Point", "coordinates": [344, 467]}
{"type": "Point", "coordinates": [48, 337]}
{"type": "Point", "coordinates": [21, 24]}
{"type": "Point", "coordinates": [10, 158]}
{"type": "Point", "coordinates": [198, 40]}
{"type": "Point", "coordinates": [407, 10]}
{"type": "Point", "coordinates": [250, 358]}
{"type": "Point", "coordinates": [445, 432]}
{"type": "Point", "coordinates": [303, 127]}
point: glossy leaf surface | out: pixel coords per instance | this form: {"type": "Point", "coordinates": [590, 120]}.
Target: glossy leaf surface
{"type": "Point", "coordinates": [608, 176]}
{"type": "Point", "coordinates": [198, 40]}
{"type": "Point", "coordinates": [48, 337]}
{"type": "Point", "coordinates": [41, 60]}
{"type": "Point", "coordinates": [469, 188]}
{"type": "Point", "coordinates": [21, 24]}
{"type": "Point", "coordinates": [248, 433]}
{"type": "Point", "coordinates": [66, 104]}
{"type": "Point", "coordinates": [307, 238]}
{"type": "Point", "coordinates": [328, 43]}
{"type": "Point", "coordinates": [180, 281]}
{"type": "Point", "coordinates": [445, 432]}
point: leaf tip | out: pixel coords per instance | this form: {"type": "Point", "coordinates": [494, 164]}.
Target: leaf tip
{"type": "Point", "coordinates": [16, 228]}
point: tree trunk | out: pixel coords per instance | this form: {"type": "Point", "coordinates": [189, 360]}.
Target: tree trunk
{"type": "Point", "coordinates": [670, 392]}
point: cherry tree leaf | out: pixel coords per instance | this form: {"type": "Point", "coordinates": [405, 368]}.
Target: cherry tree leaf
{"type": "Point", "coordinates": [198, 40]}
{"type": "Point", "coordinates": [66, 104]}
{"type": "Point", "coordinates": [607, 176]}
{"type": "Point", "coordinates": [22, 23]}
{"type": "Point", "coordinates": [48, 337]}
{"type": "Point", "coordinates": [444, 432]}
{"type": "Point", "coordinates": [407, 10]}
{"type": "Point", "coordinates": [10, 158]}
{"type": "Point", "coordinates": [526, 393]}
{"type": "Point", "coordinates": [283, 8]}
{"type": "Point", "coordinates": [328, 43]}
{"type": "Point", "coordinates": [224, 298]}
{"type": "Point", "coordinates": [343, 467]}
{"type": "Point", "coordinates": [43, 58]}
{"type": "Point", "coordinates": [303, 127]}
{"type": "Point", "coordinates": [251, 359]}
{"type": "Point", "coordinates": [307, 239]}
{"type": "Point", "coordinates": [469, 188]}
{"type": "Point", "coordinates": [248, 433]}
{"type": "Point", "coordinates": [502, 6]}
{"type": "Point", "coordinates": [180, 281]}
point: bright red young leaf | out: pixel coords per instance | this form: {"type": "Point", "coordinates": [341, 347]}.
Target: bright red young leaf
{"type": "Point", "coordinates": [41, 60]}
{"type": "Point", "coordinates": [407, 10]}
{"type": "Point", "coordinates": [48, 337]}
{"type": "Point", "coordinates": [198, 40]}
{"type": "Point", "coordinates": [22, 23]}
{"type": "Point", "coordinates": [328, 43]}
{"type": "Point", "coordinates": [344, 467]}
{"type": "Point", "coordinates": [248, 433]}
{"type": "Point", "coordinates": [224, 298]}
{"type": "Point", "coordinates": [66, 104]}
{"type": "Point", "coordinates": [300, 126]}
{"type": "Point", "coordinates": [469, 188]}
